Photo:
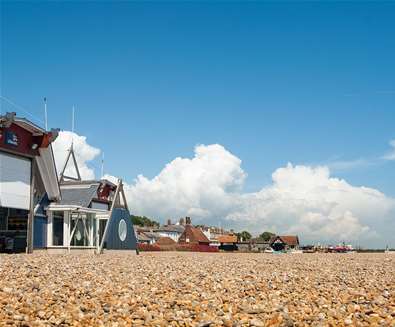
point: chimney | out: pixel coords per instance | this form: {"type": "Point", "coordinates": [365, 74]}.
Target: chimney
{"type": "Point", "coordinates": [168, 222]}
{"type": "Point", "coordinates": [187, 220]}
{"type": "Point", "coordinates": [182, 221]}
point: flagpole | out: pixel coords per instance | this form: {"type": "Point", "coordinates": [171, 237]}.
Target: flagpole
{"type": "Point", "coordinates": [46, 114]}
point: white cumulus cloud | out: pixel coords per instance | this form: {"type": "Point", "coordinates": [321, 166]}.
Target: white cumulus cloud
{"type": "Point", "coordinates": [83, 151]}
{"type": "Point", "coordinates": [308, 201]}
{"type": "Point", "coordinates": [303, 200]}
{"type": "Point", "coordinates": [200, 187]}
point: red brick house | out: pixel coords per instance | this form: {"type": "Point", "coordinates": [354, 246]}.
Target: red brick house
{"type": "Point", "coordinates": [284, 242]}
{"type": "Point", "coordinates": [193, 235]}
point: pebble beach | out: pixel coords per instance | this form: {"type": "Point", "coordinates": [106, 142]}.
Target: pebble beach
{"type": "Point", "coordinates": [197, 289]}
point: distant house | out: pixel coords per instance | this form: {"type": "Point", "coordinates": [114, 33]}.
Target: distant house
{"type": "Point", "coordinates": [227, 242]}
{"type": "Point", "coordinates": [284, 242]}
{"type": "Point", "coordinates": [166, 242]}
{"type": "Point", "coordinates": [244, 246]}
{"type": "Point", "coordinates": [259, 245]}
{"type": "Point", "coordinates": [172, 231]}
{"type": "Point", "coordinates": [148, 237]}
{"type": "Point", "coordinates": [193, 235]}
{"type": "Point", "coordinates": [142, 238]}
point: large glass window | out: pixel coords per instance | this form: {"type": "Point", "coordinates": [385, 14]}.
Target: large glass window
{"type": "Point", "coordinates": [57, 228]}
{"type": "Point", "coordinates": [84, 229]}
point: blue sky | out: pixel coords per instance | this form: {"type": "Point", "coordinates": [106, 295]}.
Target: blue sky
{"type": "Point", "coordinates": [306, 83]}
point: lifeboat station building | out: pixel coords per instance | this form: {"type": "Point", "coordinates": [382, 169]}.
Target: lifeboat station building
{"type": "Point", "coordinates": [38, 211]}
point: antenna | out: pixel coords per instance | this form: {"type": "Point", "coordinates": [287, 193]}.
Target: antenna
{"type": "Point", "coordinates": [102, 164]}
{"type": "Point", "coordinates": [45, 114]}
{"type": "Point", "coordinates": [72, 120]}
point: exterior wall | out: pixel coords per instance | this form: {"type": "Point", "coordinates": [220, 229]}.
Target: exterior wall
{"type": "Point", "coordinates": [24, 141]}
{"type": "Point", "coordinates": [243, 247]}
{"type": "Point", "coordinates": [40, 232]}
{"type": "Point", "coordinates": [113, 238]}
{"type": "Point", "coordinates": [18, 141]}
{"type": "Point", "coordinates": [173, 235]}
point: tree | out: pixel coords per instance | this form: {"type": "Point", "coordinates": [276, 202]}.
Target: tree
{"type": "Point", "coordinates": [266, 236]}
{"type": "Point", "coordinates": [143, 221]}
{"type": "Point", "coordinates": [244, 235]}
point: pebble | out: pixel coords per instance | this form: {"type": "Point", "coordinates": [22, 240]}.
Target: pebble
{"type": "Point", "coordinates": [197, 289]}
{"type": "Point", "coordinates": [257, 323]}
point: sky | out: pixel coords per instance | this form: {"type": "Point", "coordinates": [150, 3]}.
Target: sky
{"type": "Point", "coordinates": [259, 115]}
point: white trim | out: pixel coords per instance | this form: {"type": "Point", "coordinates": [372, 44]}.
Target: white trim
{"type": "Point", "coordinates": [49, 229]}
{"type": "Point", "coordinates": [46, 167]}
{"type": "Point", "coordinates": [60, 207]}
{"type": "Point", "coordinates": [77, 186]}
{"type": "Point", "coordinates": [66, 226]}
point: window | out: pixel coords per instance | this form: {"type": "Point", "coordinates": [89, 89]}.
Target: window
{"type": "Point", "coordinates": [57, 228]}
{"type": "Point", "coordinates": [84, 227]}
{"type": "Point", "coordinates": [17, 219]}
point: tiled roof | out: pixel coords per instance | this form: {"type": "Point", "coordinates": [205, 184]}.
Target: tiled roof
{"type": "Point", "coordinates": [227, 239]}
{"type": "Point", "coordinates": [171, 228]}
{"type": "Point", "coordinates": [165, 241]}
{"type": "Point", "coordinates": [142, 237]}
{"type": "Point", "coordinates": [195, 235]}
{"type": "Point", "coordinates": [292, 240]}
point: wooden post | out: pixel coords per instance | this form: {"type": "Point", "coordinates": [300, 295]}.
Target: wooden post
{"type": "Point", "coordinates": [30, 219]}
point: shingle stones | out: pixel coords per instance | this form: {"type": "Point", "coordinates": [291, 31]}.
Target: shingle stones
{"type": "Point", "coordinates": [197, 289]}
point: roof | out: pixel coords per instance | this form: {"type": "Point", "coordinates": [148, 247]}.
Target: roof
{"type": "Point", "coordinates": [143, 228]}
{"type": "Point", "coordinates": [165, 241]}
{"type": "Point", "coordinates": [28, 125]}
{"type": "Point", "coordinates": [151, 235]}
{"type": "Point", "coordinates": [227, 238]}
{"type": "Point", "coordinates": [79, 195]}
{"type": "Point", "coordinates": [195, 235]}
{"type": "Point", "coordinates": [142, 237]}
{"type": "Point", "coordinates": [287, 239]}
{"type": "Point", "coordinates": [171, 228]}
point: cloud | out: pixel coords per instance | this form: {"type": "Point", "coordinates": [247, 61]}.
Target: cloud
{"type": "Point", "coordinates": [301, 199]}
{"type": "Point", "coordinates": [391, 154]}
{"type": "Point", "coordinates": [306, 200]}
{"type": "Point", "coordinates": [83, 151]}
{"type": "Point", "coordinates": [199, 187]}
{"type": "Point", "coordinates": [344, 165]}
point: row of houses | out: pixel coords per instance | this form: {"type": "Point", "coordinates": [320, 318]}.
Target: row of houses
{"type": "Point", "coordinates": [184, 232]}
{"type": "Point", "coordinates": [41, 211]}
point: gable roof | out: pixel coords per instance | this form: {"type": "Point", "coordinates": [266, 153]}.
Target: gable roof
{"type": "Point", "coordinates": [151, 235]}
{"type": "Point", "coordinates": [292, 240]}
{"type": "Point", "coordinates": [29, 125]}
{"type": "Point", "coordinates": [78, 194]}
{"type": "Point", "coordinates": [171, 228]}
{"type": "Point", "coordinates": [142, 237]}
{"type": "Point", "coordinates": [195, 235]}
{"type": "Point", "coordinates": [165, 241]}
{"type": "Point", "coordinates": [227, 238]}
